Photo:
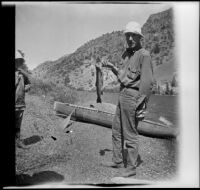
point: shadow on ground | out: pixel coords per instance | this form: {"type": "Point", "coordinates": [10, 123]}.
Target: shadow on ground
{"type": "Point", "coordinates": [32, 140]}
{"type": "Point", "coordinates": [38, 178]}
{"type": "Point", "coordinates": [102, 152]}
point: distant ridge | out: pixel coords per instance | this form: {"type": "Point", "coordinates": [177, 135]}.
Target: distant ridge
{"type": "Point", "coordinates": [77, 70]}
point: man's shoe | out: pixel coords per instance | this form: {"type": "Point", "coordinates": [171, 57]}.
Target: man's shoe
{"type": "Point", "coordinates": [128, 173]}
{"type": "Point", "coordinates": [113, 164]}
{"type": "Point", "coordinates": [139, 161]}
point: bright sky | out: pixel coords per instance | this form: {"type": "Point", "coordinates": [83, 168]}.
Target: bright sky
{"type": "Point", "coordinates": [47, 31]}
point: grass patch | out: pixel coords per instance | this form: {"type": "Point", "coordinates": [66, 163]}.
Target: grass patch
{"type": "Point", "coordinates": [49, 89]}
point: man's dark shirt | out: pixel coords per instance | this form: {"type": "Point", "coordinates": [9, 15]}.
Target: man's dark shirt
{"type": "Point", "coordinates": [20, 82]}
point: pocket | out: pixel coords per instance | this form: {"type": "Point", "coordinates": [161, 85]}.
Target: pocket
{"type": "Point", "coordinates": [140, 99]}
{"type": "Point", "coordinates": [141, 108]}
{"type": "Point", "coordinates": [133, 75]}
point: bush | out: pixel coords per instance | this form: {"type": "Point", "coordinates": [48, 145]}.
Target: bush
{"type": "Point", "coordinates": [58, 93]}
{"type": "Point", "coordinates": [66, 96]}
{"type": "Point", "coordinates": [112, 90]}
{"type": "Point", "coordinates": [156, 49]}
{"type": "Point", "coordinates": [62, 96]}
{"type": "Point", "coordinates": [39, 87]}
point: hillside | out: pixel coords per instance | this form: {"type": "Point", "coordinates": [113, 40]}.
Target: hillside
{"type": "Point", "coordinates": [77, 69]}
{"type": "Point", "coordinates": [159, 36]}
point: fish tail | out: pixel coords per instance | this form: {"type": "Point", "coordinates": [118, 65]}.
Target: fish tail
{"type": "Point", "coordinates": [98, 100]}
{"type": "Point", "coordinates": [102, 88]}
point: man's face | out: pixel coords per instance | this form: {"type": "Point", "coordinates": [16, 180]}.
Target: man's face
{"type": "Point", "coordinates": [19, 62]}
{"type": "Point", "coordinates": [133, 40]}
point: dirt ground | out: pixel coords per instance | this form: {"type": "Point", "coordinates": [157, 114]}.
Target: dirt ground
{"type": "Point", "coordinates": [75, 157]}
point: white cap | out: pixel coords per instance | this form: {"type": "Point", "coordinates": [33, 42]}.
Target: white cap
{"type": "Point", "coordinates": [133, 27]}
{"type": "Point", "coordinates": [19, 54]}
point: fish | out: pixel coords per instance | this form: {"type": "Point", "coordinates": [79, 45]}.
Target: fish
{"type": "Point", "coordinates": [99, 80]}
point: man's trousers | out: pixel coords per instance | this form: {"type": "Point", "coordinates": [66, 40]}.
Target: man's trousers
{"type": "Point", "coordinates": [18, 121]}
{"type": "Point", "coordinates": [124, 128]}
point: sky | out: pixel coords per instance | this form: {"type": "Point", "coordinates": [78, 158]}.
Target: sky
{"type": "Point", "coordinates": [47, 31]}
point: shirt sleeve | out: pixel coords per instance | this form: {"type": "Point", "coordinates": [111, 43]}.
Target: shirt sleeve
{"type": "Point", "coordinates": [26, 80]}
{"type": "Point", "coordinates": [26, 77]}
{"type": "Point", "coordinates": [122, 78]}
{"type": "Point", "coordinates": [146, 78]}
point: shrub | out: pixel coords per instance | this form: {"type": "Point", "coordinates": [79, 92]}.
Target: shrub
{"type": "Point", "coordinates": [156, 49]}
{"type": "Point", "coordinates": [58, 93]}
{"type": "Point", "coordinates": [40, 87]}
{"type": "Point", "coordinates": [63, 96]}
{"type": "Point", "coordinates": [112, 90]}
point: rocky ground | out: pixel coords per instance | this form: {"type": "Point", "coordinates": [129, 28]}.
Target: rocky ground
{"type": "Point", "coordinates": [53, 155]}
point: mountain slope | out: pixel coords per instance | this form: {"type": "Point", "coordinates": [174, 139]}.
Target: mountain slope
{"type": "Point", "coordinates": [159, 35]}
{"type": "Point", "coordinates": [77, 69]}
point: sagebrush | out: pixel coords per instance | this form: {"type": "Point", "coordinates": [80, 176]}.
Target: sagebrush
{"type": "Point", "coordinates": [49, 89]}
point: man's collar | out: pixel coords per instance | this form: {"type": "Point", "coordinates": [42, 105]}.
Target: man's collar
{"type": "Point", "coordinates": [130, 51]}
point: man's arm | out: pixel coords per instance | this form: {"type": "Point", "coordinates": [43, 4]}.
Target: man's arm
{"type": "Point", "coordinates": [111, 66]}
{"type": "Point", "coordinates": [115, 70]}
{"type": "Point", "coordinates": [146, 79]}
{"type": "Point", "coordinates": [26, 76]}
{"type": "Point", "coordinates": [27, 81]}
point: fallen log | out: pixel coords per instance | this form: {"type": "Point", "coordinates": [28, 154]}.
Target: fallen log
{"type": "Point", "coordinates": [102, 118]}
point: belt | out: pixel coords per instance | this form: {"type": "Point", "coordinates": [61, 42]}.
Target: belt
{"type": "Point", "coordinates": [135, 88]}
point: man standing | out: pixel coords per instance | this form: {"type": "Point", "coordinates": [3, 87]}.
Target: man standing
{"type": "Point", "coordinates": [136, 79]}
{"type": "Point", "coordinates": [22, 85]}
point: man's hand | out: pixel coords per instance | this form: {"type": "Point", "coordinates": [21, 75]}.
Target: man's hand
{"type": "Point", "coordinates": [22, 71]}
{"type": "Point", "coordinates": [106, 63]}
{"type": "Point", "coordinates": [27, 88]}
{"type": "Point", "coordinates": [98, 65]}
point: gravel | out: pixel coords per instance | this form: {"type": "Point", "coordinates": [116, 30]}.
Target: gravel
{"type": "Point", "coordinates": [77, 156]}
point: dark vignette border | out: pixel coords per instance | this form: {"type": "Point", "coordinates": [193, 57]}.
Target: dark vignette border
{"type": "Point", "coordinates": [7, 90]}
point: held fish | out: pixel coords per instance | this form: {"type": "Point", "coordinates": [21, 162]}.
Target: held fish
{"type": "Point", "coordinates": [99, 80]}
